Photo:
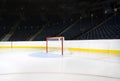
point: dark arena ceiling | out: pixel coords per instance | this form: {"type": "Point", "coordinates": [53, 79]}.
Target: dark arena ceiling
{"type": "Point", "coordinates": [74, 19]}
{"type": "Point", "coordinates": [60, 8]}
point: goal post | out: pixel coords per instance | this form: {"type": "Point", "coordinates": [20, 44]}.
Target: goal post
{"type": "Point", "coordinates": [56, 43]}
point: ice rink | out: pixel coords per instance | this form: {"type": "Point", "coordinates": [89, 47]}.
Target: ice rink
{"type": "Point", "coordinates": [33, 65]}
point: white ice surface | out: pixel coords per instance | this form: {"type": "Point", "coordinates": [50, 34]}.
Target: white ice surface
{"type": "Point", "coordinates": [18, 65]}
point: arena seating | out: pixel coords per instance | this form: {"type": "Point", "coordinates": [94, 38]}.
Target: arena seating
{"type": "Point", "coordinates": [83, 29]}
{"type": "Point", "coordinates": [109, 30]}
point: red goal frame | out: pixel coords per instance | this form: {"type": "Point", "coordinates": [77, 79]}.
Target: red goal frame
{"type": "Point", "coordinates": [62, 43]}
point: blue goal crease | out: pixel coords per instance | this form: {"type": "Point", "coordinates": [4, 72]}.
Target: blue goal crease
{"type": "Point", "coordinates": [44, 55]}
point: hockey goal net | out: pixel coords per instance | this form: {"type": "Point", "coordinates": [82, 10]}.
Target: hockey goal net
{"type": "Point", "coordinates": [55, 45]}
